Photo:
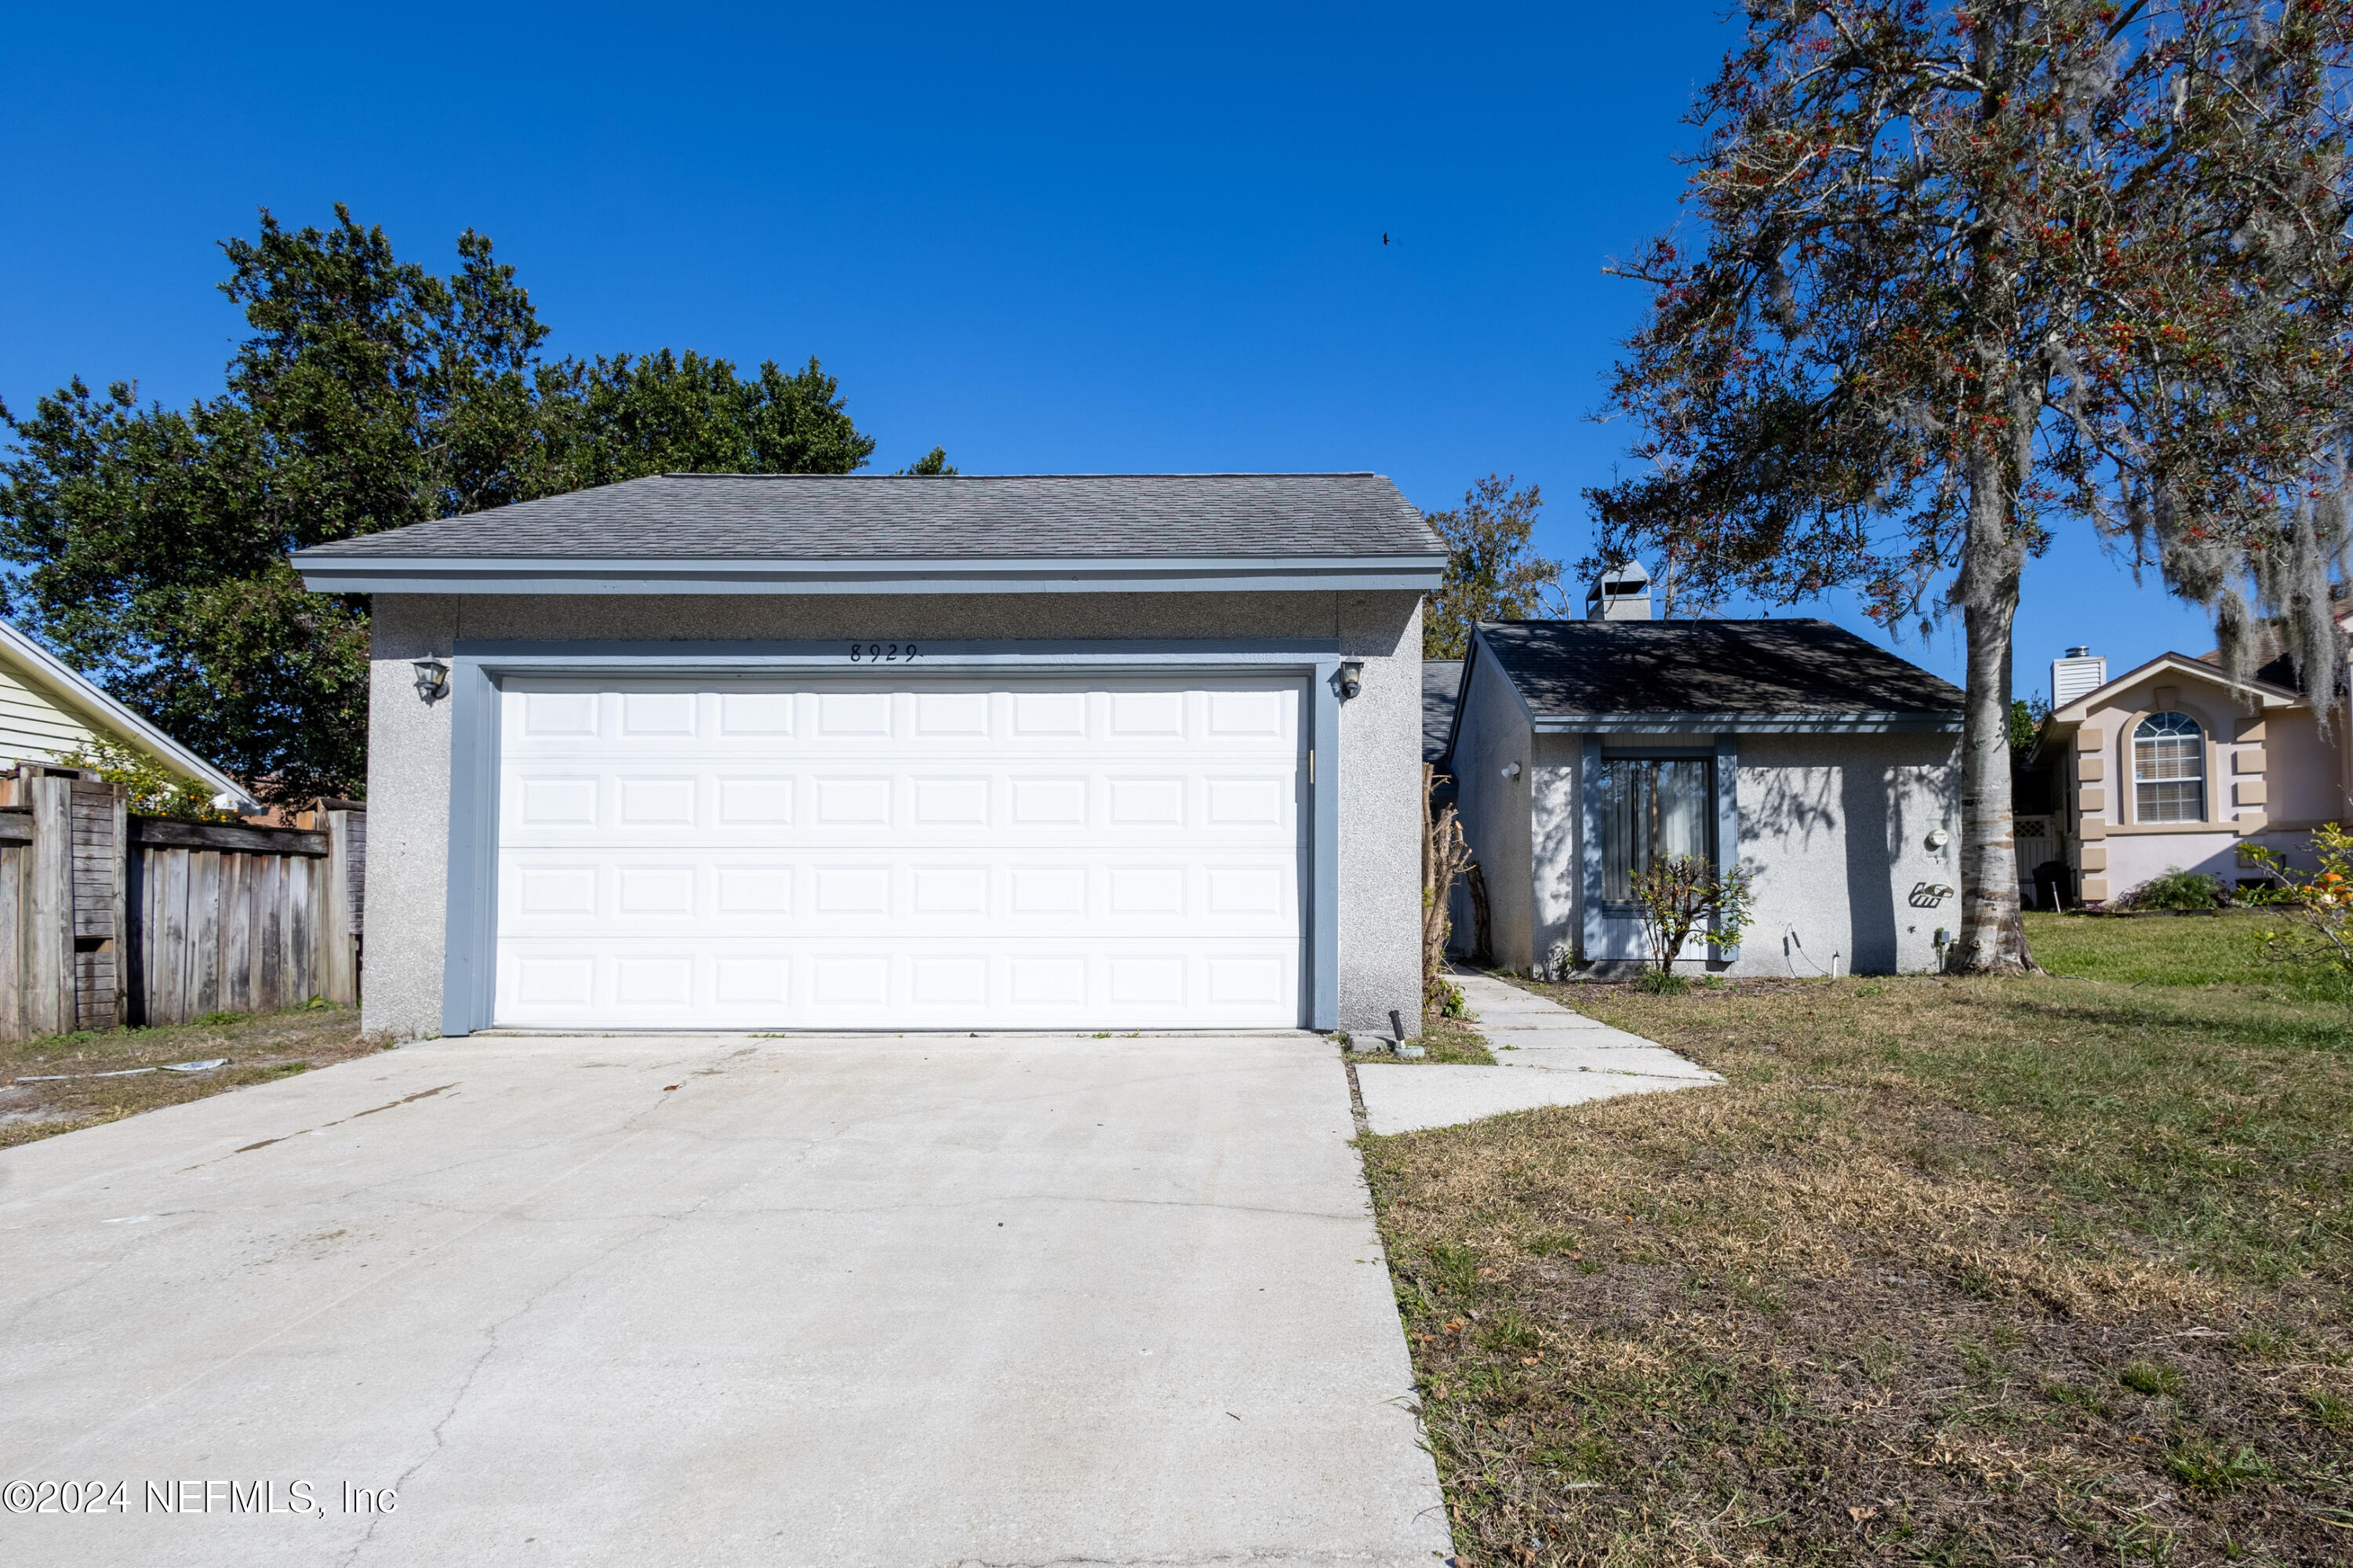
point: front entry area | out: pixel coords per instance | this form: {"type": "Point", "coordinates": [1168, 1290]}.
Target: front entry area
{"type": "Point", "coordinates": [901, 851]}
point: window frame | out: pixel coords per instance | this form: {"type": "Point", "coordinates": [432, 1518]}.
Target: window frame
{"type": "Point", "coordinates": [1709, 813]}
{"type": "Point", "coordinates": [2203, 778]}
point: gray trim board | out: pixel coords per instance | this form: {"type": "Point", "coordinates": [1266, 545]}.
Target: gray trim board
{"type": "Point", "coordinates": [469, 959]}
{"type": "Point", "coordinates": [1727, 819]}
{"type": "Point", "coordinates": [1682, 723]}
{"type": "Point", "coordinates": [475, 573]}
{"type": "Point", "coordinates": [1589, 846]}
{"type": "Point", "coordinates": [1321, 918]}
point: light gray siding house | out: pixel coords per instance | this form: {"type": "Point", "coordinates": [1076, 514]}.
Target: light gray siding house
{"type": "Point", "coordinates": [885, 752]}
{"type": "Point", "coordinates": [1826, 765]}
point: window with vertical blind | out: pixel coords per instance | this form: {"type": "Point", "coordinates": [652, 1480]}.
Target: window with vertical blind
{"type": "Point", "coordinates": [1650, 808]}
{"type": "Point", "coordinates": [2169, 769]}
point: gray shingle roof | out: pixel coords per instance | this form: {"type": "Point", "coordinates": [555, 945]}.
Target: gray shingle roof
{"type": "Point", "coordinates": [1441, 682]}
{"type": "Point", "coordinates": [871, 517]}
{"type": "Point", "coordinates": [1800, 667]}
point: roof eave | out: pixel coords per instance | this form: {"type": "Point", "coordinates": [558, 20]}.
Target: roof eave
{"type": "Point", "coordinates": [327, 572]}
{"type": "Point", "coordinates": [1686, 722]}
{"type": "Point", "coordinates": [79, 690]}
{"type": "Point", "coordinates": [2078, 709]}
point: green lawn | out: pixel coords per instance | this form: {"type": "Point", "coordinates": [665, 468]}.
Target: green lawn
{"type": "Point", "coordinates": [1950, 1271]}
{"type": "Point", "coordinates": [2225, 948]}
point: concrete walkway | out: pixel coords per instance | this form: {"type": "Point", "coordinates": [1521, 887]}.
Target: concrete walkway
{"type": "Point", "coordinates": [705, 1300]}
{"type": "Point", "coordinates": [1547, 1055]}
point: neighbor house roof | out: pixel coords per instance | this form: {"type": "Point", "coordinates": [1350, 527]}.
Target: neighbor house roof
{"type": "Point", "coordinates": [673, 532]}
{"type": "Point", "coordinates": [2265, 692]}
{"type": "Point", "coordinates": [2261, 694]}
{"type": "Point", "coordinates": [1725, 674]}
{"type": "Point", "coordinates": [1441, 682]}
{"type": "Point", "coordinates": [47, 709]}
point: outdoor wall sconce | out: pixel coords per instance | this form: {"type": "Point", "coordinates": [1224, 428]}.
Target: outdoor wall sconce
{"type": "Point", "coordinates": [1352, 678]}
{"type": "Point", "coordinates": [1511, 771]}
{"type": "Point", "coordinates": [1938, 839]}
{"type": "Point", "coordinates": [432, 677]}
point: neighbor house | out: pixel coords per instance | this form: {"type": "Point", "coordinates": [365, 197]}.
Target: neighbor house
{"type": "Point", "coordinates": [2172, 767]}
{"type": "Point", "coordinates": [1828, 768]}
{"type": "Point", "coordinates": [887, 752]}
{"type": "Point", "coordinates": [50, 710]}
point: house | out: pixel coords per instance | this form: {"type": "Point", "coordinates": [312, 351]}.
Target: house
{"type": "Point", "coordinates": [897, 752]}
{"type": "Point", "coordinates": [2170, 766]}
{"type": "Point", "coordinates": [49, 710]}
{"type": "Point", "coordinates": [1827, 766]}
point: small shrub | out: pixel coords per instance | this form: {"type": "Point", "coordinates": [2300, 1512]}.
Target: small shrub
{"type": "Point", "coordinates": [1679, 894]}
{"type": "Point", "coordinates": [154, 789]}
{"type": "Point", "coordinates": [217, 1018]}
{"type": "Point", "coordinates": [2177, 889]}
{"type": "Point", "coordinates": [2319, 905]}
{"type": "Point", "coordinates": [1661, 982]}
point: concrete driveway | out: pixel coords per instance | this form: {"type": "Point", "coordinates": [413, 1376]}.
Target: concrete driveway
{"type": "Point", "coordinates": [901, 1301]}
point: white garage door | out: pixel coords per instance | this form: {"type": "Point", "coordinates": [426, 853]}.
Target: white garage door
{"type": "Point", "coordinates": [899, 853]}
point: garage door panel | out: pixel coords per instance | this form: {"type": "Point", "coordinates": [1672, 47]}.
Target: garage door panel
{"type": "Point", "coordinates": [833, 983]}
{"type": "Point", "coordinates": [940, 854]}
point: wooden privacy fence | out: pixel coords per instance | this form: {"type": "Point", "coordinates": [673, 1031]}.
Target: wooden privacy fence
{"type": "Point", "coordinates": [108, 918]}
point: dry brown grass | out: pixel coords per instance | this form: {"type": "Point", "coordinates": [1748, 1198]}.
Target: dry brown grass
{"type": "Point", "coordinates": [1949, 1271]}
{"type": "Point", "coordinates": [258, 1047]}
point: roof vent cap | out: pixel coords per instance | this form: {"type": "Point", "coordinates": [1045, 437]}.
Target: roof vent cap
{"type": "Point", "coordinates": [1622, 593]}
{"type": "Point", "coordinates": [2080, 672]}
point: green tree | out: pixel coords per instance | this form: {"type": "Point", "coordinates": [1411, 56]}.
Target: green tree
{"type": "Point", "coordinates": [371, 394]}
{"type": "Point", "coordinates": [1490, 572]}
{"type": "Point", "coordinates": [2026, 722]}
{"type": "Point", "coordinates": [934, 461]}
{"type": "Point", "coordinates": [1966, 272]}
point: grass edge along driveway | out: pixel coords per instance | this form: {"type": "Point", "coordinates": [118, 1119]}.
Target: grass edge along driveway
{"type": "Point", "coordinates": [1950, 1271]}
{"type": "Point", "coordinates": [86, 1078]}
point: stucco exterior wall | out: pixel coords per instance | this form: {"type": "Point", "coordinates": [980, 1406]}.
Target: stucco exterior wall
{"type": "Point", "coordinates": [1378, 781]}
{"type": "Point", "coordinates": [1493, 731]}
{"type": "Point", "coordinates": [1555, 884]}
{"type": "Point", "coordinates": [408, 821]}
{"type": "Point", "coordinates": [1380, 814]}
{"type": "Point", "coordinates": [2303, 774]}
{"type": "Point", "coordinates": [1836, 828]}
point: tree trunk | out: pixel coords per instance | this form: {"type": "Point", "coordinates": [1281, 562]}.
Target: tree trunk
{"type": "Point", "coordinates": [1992, 936]}
{"type": "Point", "coordinates": [1483, 931]}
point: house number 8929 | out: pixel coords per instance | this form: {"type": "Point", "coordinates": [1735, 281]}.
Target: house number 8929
{"type": "Point", "coordinates": [880, 653]}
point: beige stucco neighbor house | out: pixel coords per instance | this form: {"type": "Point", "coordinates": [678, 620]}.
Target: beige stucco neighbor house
{"type": "Point", "coordinates": [2168, 765]}
{"type": "Point", "coordinates": [48, 709]}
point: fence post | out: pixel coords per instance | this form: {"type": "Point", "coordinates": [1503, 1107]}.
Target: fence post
{"type": "Point", "coordinates": [15, 854]}
{"type": "Point", "coordinates": [49, 903]}
{"type": "Point", "coordinates": [346, 825]}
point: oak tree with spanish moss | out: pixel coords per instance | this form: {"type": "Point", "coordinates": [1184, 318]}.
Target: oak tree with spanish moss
{"type": "Point", "coordinates": [1966, 274]}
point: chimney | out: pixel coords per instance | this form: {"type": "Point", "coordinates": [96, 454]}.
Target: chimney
{"type": "Point", "coordinates": [1622, 593]}
{"type": "Point", "coordinates": [2080, 671]}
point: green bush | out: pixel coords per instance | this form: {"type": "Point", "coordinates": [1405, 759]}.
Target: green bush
{"type": "Point", "coordinates": [2177, 889]}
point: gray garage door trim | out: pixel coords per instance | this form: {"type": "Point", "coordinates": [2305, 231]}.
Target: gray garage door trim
{"type": "Point", "coordinates": [469, 968]}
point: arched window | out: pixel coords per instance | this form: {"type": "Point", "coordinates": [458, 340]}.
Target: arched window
{"type": "Point", "coordinates": [2169, 769]}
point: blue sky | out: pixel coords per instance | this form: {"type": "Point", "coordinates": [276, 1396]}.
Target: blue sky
{"type": "Point", "coordinates": [1092, 238]}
